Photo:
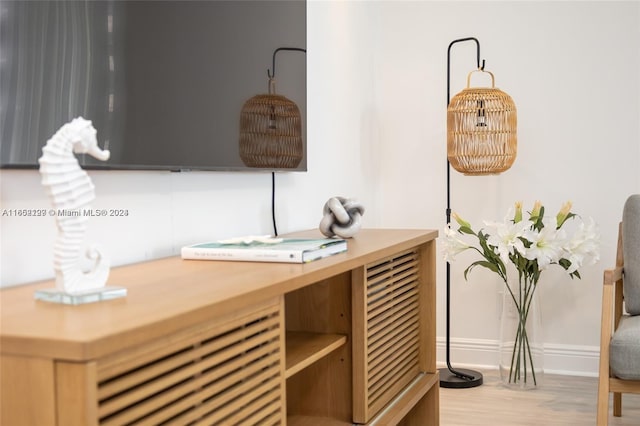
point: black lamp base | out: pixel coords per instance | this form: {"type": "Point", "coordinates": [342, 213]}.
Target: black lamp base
{"type": "Point", "coordinates": [450, 380]}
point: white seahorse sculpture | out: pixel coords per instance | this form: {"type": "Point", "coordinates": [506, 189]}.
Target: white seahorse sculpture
{"type": "Point", "coordinates": [71, 192]}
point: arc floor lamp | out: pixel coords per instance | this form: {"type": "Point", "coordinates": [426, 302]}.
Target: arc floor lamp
{"type": "Point", "coordinates": [481, 140]}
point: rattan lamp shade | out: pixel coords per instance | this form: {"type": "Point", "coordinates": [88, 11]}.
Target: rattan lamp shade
{"type": "Point", "coordinates": [481, 130]}
{"type": "Point", "coordinates": [271, 132]}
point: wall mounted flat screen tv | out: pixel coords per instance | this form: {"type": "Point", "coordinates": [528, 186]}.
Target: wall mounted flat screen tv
{"type": "Point", "coordinates": [163, 82]}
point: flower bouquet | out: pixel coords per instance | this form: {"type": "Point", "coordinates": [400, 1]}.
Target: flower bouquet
{"type": "Point", "coordinates": [530, 245]}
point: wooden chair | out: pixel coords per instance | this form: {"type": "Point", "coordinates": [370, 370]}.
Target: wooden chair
{"type": "Point", "coordinates": [619, 370]}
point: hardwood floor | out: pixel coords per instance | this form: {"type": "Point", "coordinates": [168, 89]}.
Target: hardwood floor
{"type": "Point", "coordinates": [561, 400]}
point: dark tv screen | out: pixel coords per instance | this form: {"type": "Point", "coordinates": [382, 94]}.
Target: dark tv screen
{"type": "Point", "coordinates": [163, 82]}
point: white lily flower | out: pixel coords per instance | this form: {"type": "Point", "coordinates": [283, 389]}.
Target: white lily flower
{"type": "Point", "coordinates": [537, 241]}
{"type": "Point", "coordinates": [583, 247]}
{"type": "Point", "coordinates": [546, 244]}
{"type": "Point", "coordinates": [505, 236]}
{"type": "Point", "coordinates": [452, 244]}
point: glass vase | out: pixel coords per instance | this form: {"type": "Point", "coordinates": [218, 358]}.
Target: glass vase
{"type": "Point", "coordinates": [521, 344]}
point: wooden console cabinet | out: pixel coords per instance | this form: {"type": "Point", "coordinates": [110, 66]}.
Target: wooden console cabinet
{"type": "Point", "coordinates": [346, 339]}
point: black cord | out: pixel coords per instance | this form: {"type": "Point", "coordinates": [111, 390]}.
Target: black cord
{"type": "Point", "coordinates": [273, 174]}
{"type": "Point", "coordinates": [273, 203]}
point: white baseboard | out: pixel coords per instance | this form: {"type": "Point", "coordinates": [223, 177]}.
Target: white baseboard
{"type": "Point", "coordinates": [569, 360]}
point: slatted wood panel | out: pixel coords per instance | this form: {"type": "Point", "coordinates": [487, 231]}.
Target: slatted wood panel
{"type": "Point", "coordinates": [391, 327]}
{"type": "Point", "coordinates": [229, 375]}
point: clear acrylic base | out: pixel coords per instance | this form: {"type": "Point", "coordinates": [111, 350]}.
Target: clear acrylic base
{"type": "Point", "coordinates": [54, 295]}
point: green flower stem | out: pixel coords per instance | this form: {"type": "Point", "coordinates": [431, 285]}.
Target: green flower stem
{"type": "Point", "coordinates": [515, 343]}
{"type": "Point", "coordinates": [526, 290]}
{"type": "Point", "coordinates": [532, 287]}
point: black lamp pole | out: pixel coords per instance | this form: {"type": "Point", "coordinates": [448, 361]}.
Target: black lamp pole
{"type": "Point", "coordinates": [450, 377]}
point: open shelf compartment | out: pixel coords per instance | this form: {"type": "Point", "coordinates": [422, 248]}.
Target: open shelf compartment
{"type": "Point", "coordinates": [304, 348]}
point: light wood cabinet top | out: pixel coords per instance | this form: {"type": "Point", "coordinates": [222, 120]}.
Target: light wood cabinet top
{"type": "Point", "coordinates": [169, 294]}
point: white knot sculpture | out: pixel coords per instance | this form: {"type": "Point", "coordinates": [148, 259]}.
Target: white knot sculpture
{"type": "Point", "coordinates": [341, 217]}
{"type": "Point", "coordinates": [71, 192]}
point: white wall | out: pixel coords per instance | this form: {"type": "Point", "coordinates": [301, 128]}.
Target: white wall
{"type": "Point", "coordinates": [376, 131]}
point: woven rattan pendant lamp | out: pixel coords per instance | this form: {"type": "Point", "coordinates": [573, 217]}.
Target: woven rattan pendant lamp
{"type": "Point", "coordinates": [271, 128]}
{"type": "Point", "coordinates": [481, 129]}
{"type": "Point", "coordinates": [481, 140]}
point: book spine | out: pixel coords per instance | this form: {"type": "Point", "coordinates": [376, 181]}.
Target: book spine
{"type": "Point", "coordinates": [282, 256]}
